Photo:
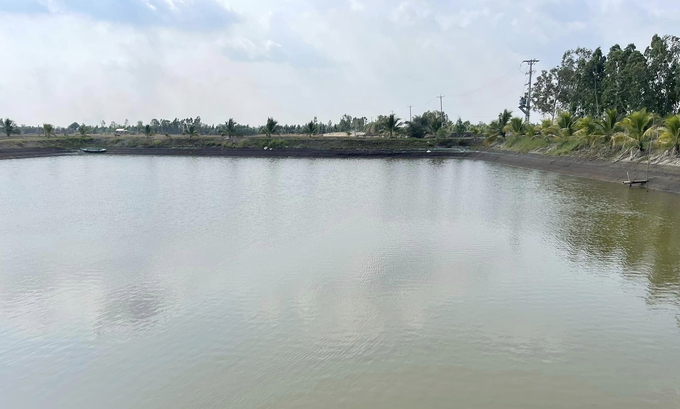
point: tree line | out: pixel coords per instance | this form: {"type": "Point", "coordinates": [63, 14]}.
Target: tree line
{"type": "Point", "coordinates": [430, 123]}
{"type": "Point", "coordinates": [637, 130]}
{"type": "Point", "coordinates": [588, 82]}
{"type": "Point", "coordinates": [625, 99]}
{"type": "Point", "coordinates": [616, 99]}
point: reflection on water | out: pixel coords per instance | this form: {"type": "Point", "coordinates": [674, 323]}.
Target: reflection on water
{"type": "Point", "coordinates": [638, 231]}
{"type": "Point", "coordinates": [209, 282]}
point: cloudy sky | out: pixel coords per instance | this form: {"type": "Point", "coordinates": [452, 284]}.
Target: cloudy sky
{"type": "Point", "coordinates": [94, 60]}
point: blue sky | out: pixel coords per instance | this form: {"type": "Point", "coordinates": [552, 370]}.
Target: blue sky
{"type": "Point", "coordinates": [93, 60]}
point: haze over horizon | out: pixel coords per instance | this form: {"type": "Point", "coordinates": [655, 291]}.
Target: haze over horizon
{"type": "Point", "coordinates": [88, 61]}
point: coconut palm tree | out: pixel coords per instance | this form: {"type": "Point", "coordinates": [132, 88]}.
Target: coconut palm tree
{"type": "Point", "coordinates": [392, 124]}
{"type": "Point", "coordinates": [515, 127]}
{"type": "Point", "coordinates": [548, 128]}
{"type": "Point", "coordinates": [587, 130]}
{"type": "Point", "coordinates": [492, 132]}
{"type": "Point", "coordinates": [271, 128]}
{"type": "Point", "coordinates": [530, 130]}
{"type": "Point", "coordinates": [637, 127]}
{"type": "Point", "coordinates": [229, 129]}
{"type": "Point", "coordinates": [566, 123]}
{"type": "Point", "coordinates": [83, 130]}
{"type": "Point", "coordinates": [670, 133]}
{"type": "Point", "coordinates": [10, 127]}
{"type": "Point", "coordinates": [417, 128]}
{"type": "Point", "coordinates": [503, 120]}
{"type": "Point", "coordinates": [191, 130]}
{"type": "Point", "coordinates": [434, 125]}
{"type": "Point", "coordinates": [609, 124]}
{"type": "Point", "coordinates": [48, 130]}
{"type": "Point", "coordinates": [310, 128]}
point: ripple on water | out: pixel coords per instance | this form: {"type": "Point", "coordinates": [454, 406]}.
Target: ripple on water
{"type": "Point", "coordinates": [199, 282]}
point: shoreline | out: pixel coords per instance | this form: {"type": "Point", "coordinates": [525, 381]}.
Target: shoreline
{"type": "Point", "coordinates": [662, 177]}
{"type": "Point", "coordinates": [21, 153]}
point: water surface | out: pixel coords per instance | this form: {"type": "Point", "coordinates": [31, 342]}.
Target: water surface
{"type": "Point", "coordinates": [154, 282]}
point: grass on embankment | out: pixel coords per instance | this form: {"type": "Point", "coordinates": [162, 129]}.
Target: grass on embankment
{"type": "Point", "coordinates": [577, 147]}
{"type": "Point", "coordinates": [217, 142]}
{"type": "Point", "coordinates": [561, 146]}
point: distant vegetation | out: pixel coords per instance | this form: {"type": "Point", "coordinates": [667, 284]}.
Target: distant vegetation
{"type": "Point", "coordinates": [637, 130]}
{"type": "Point", "coordinates": [587, 82]}
{"type": "Point", "coordinates": [9, 127]}
{"type": "Point", "coordinates": [626, 99]}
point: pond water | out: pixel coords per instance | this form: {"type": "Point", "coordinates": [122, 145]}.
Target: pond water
{"type": "Point", "coordinates": [177, 282]}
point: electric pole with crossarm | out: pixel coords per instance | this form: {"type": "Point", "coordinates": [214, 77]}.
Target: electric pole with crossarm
{"type": "Point", "coordinates": [525, 102]}
{"type": "Point", "coordinates": [441, 107]}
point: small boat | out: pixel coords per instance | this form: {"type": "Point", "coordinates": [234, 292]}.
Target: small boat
{"type": "Point", "coordinates": [93, 150]}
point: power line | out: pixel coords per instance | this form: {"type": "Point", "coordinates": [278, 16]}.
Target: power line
{"type": "Point", "coordinates": [494, 98]}
{"type": "Point", "coordinates": [513, 72]}
{"type": "Point", "coordinates": [510, 74]}
{"type": "Point", "coordinates": [425, 103]}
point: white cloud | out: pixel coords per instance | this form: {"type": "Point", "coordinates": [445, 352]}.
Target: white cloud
{"type": "Point", "coordinates": [409, 12]}
{"type": "Point", "coordinates": [355, 5]}
{"type": "Point", "coordinates": [266, 20]}
{"type": "Point", "coordinates": [463, 18]}
{"type": "Point", "coordinates": [295, 59]}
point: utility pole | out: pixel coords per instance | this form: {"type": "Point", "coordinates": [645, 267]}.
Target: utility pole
{"type": "Point", "coordinates": [441, 108]}
{"type": "Point", "coordinates": [410, 117]}
{"type": "Point", "coordinates": [597, 105]}
{"type": "Point", "coordinates": [527, 107]}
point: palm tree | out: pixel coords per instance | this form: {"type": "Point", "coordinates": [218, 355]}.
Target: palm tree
{"type": "Point", "coordinates": [548, 128]}
{"type": "Point", "coordinates": [83, 130]}
{"type": "Point", "coordinates": [492, 132]}
{"type": "Point", "coordinates": [670, 133]}
{"type": "Point", "coordinates": [392, 124]}
{"type": "Point", "coordinates": [310, 128]}
{"type": "Point", "coordinates": [515, 127]}
{"type": "Point", "coordinates": [566, 123]}
{"type": "Point", "coordinates": [191, 130]}
{"type": "Point", "coordinates": [272, 127]}
{"type": "Point", "coordinates": [530, 130]}
{"type": "Point", "coordinates": [48, 130]}
{"type": "Point", "coordinates": [609, 124]}
{"type": "Point", "coordinates": [417, 127]}
{"type": "Point", "coordinates": [10, 127]}
{"type": "Point", "coordinates": [637, 127]}
{"type": "Point", "coordinates": [503, 120]}
{"type": "Point", "coordinates": [587, 130]}
{"type": "Point", "coordinates": [435, 125]}
{"type": "Point", "coordinates": [229, 129]}
{"type": "Point", "coordinates": [148, 131]}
